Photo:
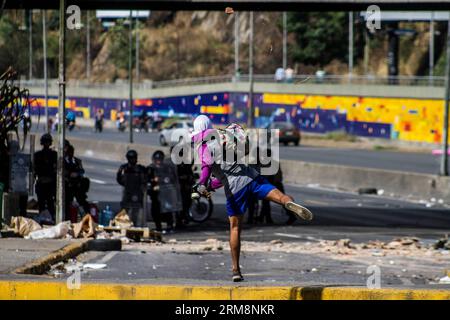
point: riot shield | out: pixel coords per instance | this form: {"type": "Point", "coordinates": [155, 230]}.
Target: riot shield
{"type": "Point", "coordinates": [133, 191]}
{"type": "Point", "coordinates": [169, 189]}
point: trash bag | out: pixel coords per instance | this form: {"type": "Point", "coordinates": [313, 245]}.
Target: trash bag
{"type": "Point", "coordinates": [122, 219]}
{"type": "Point", "coordinates": [57, 232]}
{"type": "Point", "coordinates": [24, 226]}
{"type": "Point", "coordinates": [85, 228]}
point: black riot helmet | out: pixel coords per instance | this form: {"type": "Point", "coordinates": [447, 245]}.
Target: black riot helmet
{"type": "Point", "coordinates": [46, 139]}
{"type": "Point", "coordinates": [158, 156]}
{"type": "Point", "coordinates": [132, 156]}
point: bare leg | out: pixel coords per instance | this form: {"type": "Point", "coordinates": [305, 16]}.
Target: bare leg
{"type": "Point", "coordinates": [235, 240]}
{"type": "Point", "coordinates": [278, 197]}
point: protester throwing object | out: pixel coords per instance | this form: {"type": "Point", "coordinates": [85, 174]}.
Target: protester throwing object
{"type": "Point", "coordinates": [239, 180]}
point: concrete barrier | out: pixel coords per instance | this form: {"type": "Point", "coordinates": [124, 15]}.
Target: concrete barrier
{"type": "Point", "coordinates": [396, 183]}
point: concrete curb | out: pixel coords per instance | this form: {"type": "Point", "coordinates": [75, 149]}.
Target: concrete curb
{"type": "Point", "coordinates": [41, 265]}
{"type": "Point", "coordinates": [34, 290]}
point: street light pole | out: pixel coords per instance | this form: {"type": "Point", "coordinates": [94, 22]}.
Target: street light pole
{"type": "Point", "coordinates": [44, 44]}
{"type": "Point", "coordinates": [130, 73]}
{"type": "Point", "coordinates": [30, 43]}
{"type": "Point", "coordinates": [236, 45]}
{"type": "Point", "coordinates": [88, 48]}
{"type": "Point", "coordinates": [431, 57]}
{"type": "Point", "coordinates": [444, 159]}
{"type": "Point", "coordinates": [251, 111]}
{"type": "Point", "coordinates": [137, 49]}
{"type": "Point", "coordinates": [350, 45]}
{"type": "Point", "coordinates": [60, 196]}
{"type": "Point", "coordinates": [284, 40]}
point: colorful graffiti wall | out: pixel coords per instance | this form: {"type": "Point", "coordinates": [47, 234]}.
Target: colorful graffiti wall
{"type": "Point", "coordinates": [213, 104]}
{"type": "Point", "coordinates": [389, 118]}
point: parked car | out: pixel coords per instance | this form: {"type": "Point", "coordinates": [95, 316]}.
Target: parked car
{"type": "Point", "coordinates": [287, 132]}
{"type": "Point", "coordinates": [172, 134]}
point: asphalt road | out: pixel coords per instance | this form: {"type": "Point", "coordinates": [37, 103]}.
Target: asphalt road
{"type": "Point", "coordinates": [337, 214]}
{"type": "Point", "coordinates": [388, 160]}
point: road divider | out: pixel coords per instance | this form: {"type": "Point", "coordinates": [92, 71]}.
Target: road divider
{"type": "Point", "coordinates": [393, 183]}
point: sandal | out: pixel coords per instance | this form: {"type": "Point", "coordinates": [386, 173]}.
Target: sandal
{"type": "Point", "coordinates": [237, 276]}
{"type": "Point", "coordinates": [299, 211]}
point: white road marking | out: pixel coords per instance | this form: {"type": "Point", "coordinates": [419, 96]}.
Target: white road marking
{"type": "Point", "coordinates": [108, 257]}
{"type": "Point", "coordinates": [111, 170]}
{"type": "Point", "coordinates": [288, 235]}
{"type": "Point", "coordinates": [97, 181]}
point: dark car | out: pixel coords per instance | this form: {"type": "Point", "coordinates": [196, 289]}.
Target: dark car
{"type": "Point", "coordinates": [287, 132]}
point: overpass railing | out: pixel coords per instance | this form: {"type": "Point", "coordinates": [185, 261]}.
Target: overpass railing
{"type": "Point", "coordinates": [258, 78]}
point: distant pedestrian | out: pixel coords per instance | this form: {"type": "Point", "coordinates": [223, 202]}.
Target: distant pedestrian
{"type": "Point", "coordinates": [99, 115]}
{"type": "Point", "coordinates": [279, 75]}
{"type": "Point", "coordinates": [289, 74]}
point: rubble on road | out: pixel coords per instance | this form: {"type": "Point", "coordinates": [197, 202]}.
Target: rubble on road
{"type": "Point", "coordinates": [344, 248]}
{"type": "Point", "coordinates": [443, 243]}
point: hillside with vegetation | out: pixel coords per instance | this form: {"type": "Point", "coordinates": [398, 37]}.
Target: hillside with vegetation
{"type": "Point", "coordinates": [193, 44]}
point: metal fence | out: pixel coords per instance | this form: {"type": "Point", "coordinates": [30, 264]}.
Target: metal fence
{"type": "Point", "coordinates": [258, 78]}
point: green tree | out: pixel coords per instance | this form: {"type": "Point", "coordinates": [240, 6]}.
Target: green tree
{"type": "Point", "coordinates": [320, 36]}
{"type": "Point", "coordinates": [13, 45]}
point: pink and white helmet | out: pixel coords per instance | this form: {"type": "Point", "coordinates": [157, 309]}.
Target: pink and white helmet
{"type": "Point", "coordinates": [233, 135]}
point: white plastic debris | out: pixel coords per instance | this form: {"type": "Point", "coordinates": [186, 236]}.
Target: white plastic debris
{"type": "Point", "coordinates": [445, 280]}
{"type": "Point", "coordinates": [380, 192]}
{"type": "Point", "coordinates": [94, 266]}
{"type": "Point", "coordinates": [57, 232]}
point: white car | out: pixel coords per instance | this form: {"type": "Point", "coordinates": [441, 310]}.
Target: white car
{"type": "Point", "coordinates": [174, 133]}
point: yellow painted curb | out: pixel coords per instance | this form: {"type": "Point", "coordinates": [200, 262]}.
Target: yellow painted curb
{"type": "Point", "coordinates": [20, 290]}
{"type": "Point", "coordinates": [41, 265]}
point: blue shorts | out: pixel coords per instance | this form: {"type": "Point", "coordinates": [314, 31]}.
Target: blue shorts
{"type": "Point", "coordinates": [238, 203]}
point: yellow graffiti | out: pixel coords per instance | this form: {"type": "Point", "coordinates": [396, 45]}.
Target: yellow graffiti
{"type": "Point", "coordinates": [411, 119]}
{"type": "Point", "coordinates": [69, 104]}
{"type": "Point", "coordinates": [214, 109]}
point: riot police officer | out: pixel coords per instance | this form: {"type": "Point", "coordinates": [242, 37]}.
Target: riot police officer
{"type": "Point", "coordinates": [164, 191]}
{"type": "Point", "coordinates": [133, 177]}
{"type": "Point", "coordinates": [76, 184]}
{"type": "Point", "coordinates": [45, 170]}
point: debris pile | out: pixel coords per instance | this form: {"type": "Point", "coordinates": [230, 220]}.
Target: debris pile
{"type": "Point", "coordinates": [121, 227]}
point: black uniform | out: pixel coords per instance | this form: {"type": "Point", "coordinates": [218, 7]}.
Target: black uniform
{"type": "Point", "coordinates": [134, 180]}
{"type": "Point", "coordinates": [45, 169]}
{"type": "Point", "coordinates": [186, 181]}
{"type": "Point", "coordinates": [76, 185]}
